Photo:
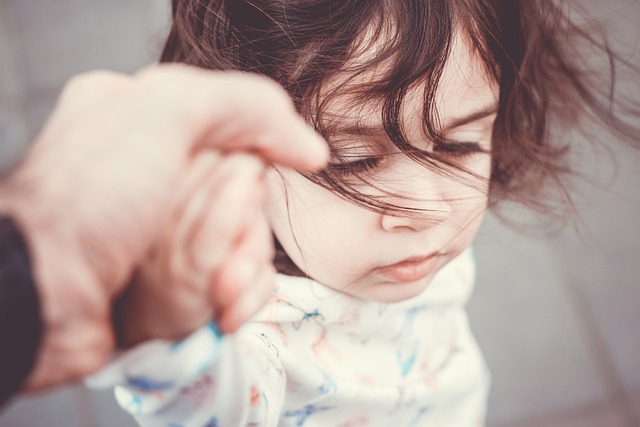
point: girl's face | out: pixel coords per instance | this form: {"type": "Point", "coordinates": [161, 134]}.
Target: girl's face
{"type": "Point", "coordinates": [383, 256]}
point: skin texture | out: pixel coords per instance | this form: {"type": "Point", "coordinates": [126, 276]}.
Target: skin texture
{"type": "Point", "coordinates": [346, 246]}
{"type": "Point", "coordinates": [114, 171]}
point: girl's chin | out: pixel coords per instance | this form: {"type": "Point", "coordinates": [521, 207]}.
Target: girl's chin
{"type": "Point", "coordinates": [388, 292]}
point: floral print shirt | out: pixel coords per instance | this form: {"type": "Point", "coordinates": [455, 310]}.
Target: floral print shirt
{"type": "Point", "coordinates": [316, 357]}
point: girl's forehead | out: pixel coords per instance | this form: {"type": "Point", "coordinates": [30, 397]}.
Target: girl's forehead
{"type": "Point", "coordinates": [465, 88]}
{"type": "Point", "coordinates": [465, 85]}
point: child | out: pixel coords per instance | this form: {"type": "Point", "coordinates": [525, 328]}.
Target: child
{"type": "Point", "coordinates": [433, 109]}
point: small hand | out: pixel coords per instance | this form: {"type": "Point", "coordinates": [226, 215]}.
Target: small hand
{"type": "Point", "coordinates": [214, 258]}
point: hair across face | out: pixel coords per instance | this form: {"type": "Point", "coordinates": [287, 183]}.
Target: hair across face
{"type": "Point", "coordinates": [323, 52]}
{"type": "Point", "coordinates": [528, 47]}
{"type": "Point", "coordinates": [382, 254]}
{"type": "Point", "coordinates": [344, 59]}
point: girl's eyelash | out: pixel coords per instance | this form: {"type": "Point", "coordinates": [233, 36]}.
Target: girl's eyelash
{"type": "Point", "coordinates": [458, 149]}
{"type": "Point", "coordinates": [361, 165]}
{"type": "Point", "coordinates": [447, 148]}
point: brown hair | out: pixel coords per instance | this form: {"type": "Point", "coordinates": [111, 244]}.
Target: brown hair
{"type": "Point", "coordinates": [530, 47]}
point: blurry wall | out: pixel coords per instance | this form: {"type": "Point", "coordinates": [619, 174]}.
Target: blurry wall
{"type": "Point", "coordinates": [556, 315]}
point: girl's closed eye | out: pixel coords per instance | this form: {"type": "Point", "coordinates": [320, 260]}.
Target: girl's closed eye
{"type": "Point", "coordinates": [462, 145]}
{"type": "Point", "coordinates": [457, 149]}
{"type": "Point", "coordinates": [358, 158]}
{"type": "Point", "coordinates": [462, 148]}
{"type": "Point", "coordinates": [356, 165]}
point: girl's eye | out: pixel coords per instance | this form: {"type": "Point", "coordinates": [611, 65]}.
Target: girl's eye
{"type": "Point", "coordinates": [355, 167]}
{"type": "Point", "coordinates": [457, 149]}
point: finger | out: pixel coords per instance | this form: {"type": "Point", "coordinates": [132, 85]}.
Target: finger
{"type": "Point", "coordinates": [239, 189]}
{"type": "Point", "coordinates": [190, 202]}
{"type": "Point", "coordinates": [253, 250]}
{"type": "Point", "coordinates": [170, 253]}
{"type": "Point", "coordinates": [215, 215]}
{"type": "Point", "coordinates": [250, 303]}
{"type": "Point", "coordinates": [241, 279]}
{"type": "Point", "coordinates": [189, 222]}
{"type": "Point", "coordinates": [238, 111]}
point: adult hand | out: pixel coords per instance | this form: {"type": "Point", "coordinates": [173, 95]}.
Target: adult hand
{"type": "Point", "coordinates": [93, 194]}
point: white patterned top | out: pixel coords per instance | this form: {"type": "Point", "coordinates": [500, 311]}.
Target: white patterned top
{"type": "Point", "coordinates": [316, 357]}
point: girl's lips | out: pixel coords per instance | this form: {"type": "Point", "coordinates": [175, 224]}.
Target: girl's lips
{"type": "Point", "coordinates": [410, 270]}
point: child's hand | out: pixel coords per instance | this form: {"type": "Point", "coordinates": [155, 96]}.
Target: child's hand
{"type": "Point", "coordinates": [191, 276]}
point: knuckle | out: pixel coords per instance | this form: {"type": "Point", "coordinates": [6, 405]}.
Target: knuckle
{"type": "Point", "coordinates": [167, 70]}
{"type": "Point", "coordinates": [90, 81]}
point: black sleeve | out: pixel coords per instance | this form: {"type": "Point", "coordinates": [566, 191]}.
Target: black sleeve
{"type": "Point", "coordinates": [20, 318]}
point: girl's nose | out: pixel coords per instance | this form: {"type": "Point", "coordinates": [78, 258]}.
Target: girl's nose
{"type": "Point", "coordinates": [424, 214]}
{"type": "Point", "coordinates": [425, 193]}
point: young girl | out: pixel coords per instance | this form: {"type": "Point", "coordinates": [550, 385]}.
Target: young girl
{"type": "Point", "coordinates": [433, 110]}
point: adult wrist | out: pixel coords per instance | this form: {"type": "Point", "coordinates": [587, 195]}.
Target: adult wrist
{"type": "Point", "coordinates": [72, 303]}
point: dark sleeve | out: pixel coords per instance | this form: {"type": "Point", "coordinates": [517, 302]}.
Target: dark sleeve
{"type": "Point", "coordinates": [20, 319]}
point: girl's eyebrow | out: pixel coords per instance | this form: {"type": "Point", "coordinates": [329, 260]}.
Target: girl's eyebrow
{"type": "Point", "coordinates": [377, 131]}
{"type": "Point", "coordinates": [371, 131]}
{"type": "Point", "coordinates": [474, 116]}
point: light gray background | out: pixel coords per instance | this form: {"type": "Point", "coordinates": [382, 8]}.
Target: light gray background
{"type": "Point", "coordinates": [556, 315]}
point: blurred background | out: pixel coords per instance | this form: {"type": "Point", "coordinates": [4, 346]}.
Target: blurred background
{"type": "Point", "coordinates": [557, 314]}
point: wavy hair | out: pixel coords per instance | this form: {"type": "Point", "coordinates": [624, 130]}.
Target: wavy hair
{"type": "Point", "coordinates": [530, 47]}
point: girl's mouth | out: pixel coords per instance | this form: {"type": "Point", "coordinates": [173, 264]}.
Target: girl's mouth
{"type": "Point", "coordinates": [412, 269]}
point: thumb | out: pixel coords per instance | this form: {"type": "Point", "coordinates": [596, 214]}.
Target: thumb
{"type": "Point", "coordinates": [235, 111]}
